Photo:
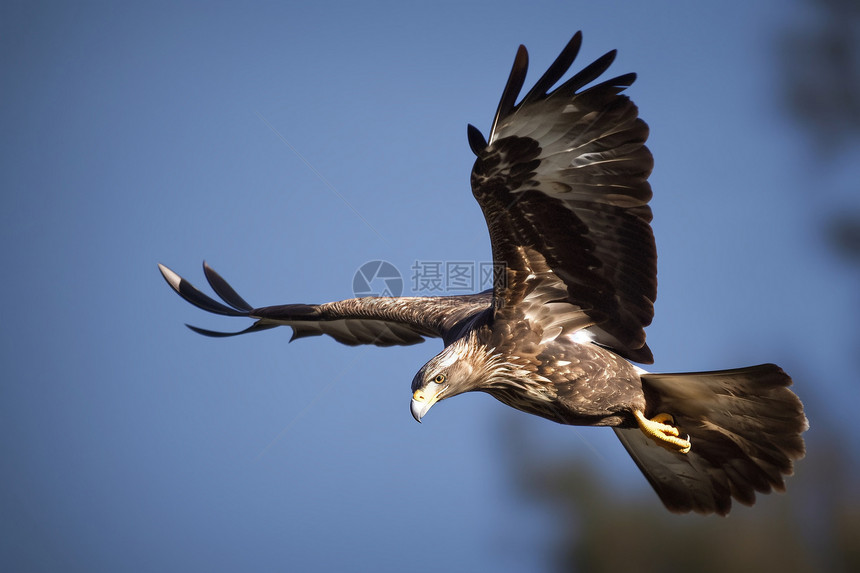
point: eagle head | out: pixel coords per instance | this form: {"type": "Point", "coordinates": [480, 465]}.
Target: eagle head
{"type": "Point", "coordinates": [459, 368]}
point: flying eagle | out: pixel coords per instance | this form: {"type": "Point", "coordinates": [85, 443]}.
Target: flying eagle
{"type": "Point", "coordinates": [562, 181]}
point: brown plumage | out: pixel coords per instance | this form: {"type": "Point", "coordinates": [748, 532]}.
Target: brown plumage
{"type": "Point", "coordinates": [562, 181]}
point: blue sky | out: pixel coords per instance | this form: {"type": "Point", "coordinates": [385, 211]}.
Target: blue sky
{"type": "Point", "coordinates": [288, 144]}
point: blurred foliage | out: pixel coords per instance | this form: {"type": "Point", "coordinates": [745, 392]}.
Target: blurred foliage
{"type": "Point", "coordinates": [599, 528]}
{"type": "Point", "coordinates": [817, 526]}
{"type": "Point", "coordinates": [843, 234]}
{"type": "Point", "coordinates": [819, 60]}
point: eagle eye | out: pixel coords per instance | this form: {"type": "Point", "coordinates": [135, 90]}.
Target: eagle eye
{"type": "Point", "coordinates": [439, 378]}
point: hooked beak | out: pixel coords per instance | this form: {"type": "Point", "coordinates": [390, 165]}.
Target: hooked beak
{"type": "Point", "coordinates": [423, 400]}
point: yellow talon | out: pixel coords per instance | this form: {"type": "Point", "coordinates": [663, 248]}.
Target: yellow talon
{"type": "Point", "coordinates": [662, 430]}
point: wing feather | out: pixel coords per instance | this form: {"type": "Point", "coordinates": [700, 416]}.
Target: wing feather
{"type": "Point", "coordinates": [381, 321]}
{"type": "Point", "coordinates": [563, 184]}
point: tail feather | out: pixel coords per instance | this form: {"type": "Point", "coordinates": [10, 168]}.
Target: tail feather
{"type": "Point", "coordinates": [745, 427]}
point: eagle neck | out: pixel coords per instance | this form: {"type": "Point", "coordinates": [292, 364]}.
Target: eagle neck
{"type": "Point", "coordinates": [492, 368]}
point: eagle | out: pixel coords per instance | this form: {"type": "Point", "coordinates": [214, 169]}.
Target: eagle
{"type": "Point", "coordinates": [562, 181]}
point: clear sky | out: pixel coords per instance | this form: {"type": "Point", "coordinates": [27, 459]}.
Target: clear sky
{"type": "Point", "coordinates": [288, 144]}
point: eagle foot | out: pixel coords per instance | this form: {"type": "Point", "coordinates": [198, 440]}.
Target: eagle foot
{"type": "Point", "coordinates": [662, 430]}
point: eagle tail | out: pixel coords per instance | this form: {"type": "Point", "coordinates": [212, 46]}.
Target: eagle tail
{"type": "Point", "coordinates": [745, 429]}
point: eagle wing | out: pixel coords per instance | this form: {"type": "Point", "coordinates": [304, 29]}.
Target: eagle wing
{"type": "Point", "coordinates": [381, 321]}
{"type": "Point", "coordinates": [563, 184]}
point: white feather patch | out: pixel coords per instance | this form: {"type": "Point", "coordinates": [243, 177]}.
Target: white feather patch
{"type": "Point", "coordinates": [448, 360]}
{"type": "Point", "coordinates": [583, 336]}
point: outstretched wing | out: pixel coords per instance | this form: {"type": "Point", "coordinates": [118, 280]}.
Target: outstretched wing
{"type": "Point", "coordinates": [382, 321]}
{"type": "Point", "coordinates": [563, 184]}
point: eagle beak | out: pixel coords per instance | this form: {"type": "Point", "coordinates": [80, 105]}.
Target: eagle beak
{"type": "Point", "coordinates": [424, 398]}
